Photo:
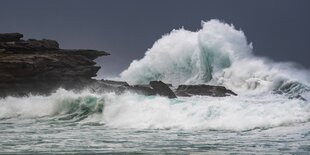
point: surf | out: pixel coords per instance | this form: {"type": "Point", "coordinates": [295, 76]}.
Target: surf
{"type": "Point", "coordinates": [134, 111]}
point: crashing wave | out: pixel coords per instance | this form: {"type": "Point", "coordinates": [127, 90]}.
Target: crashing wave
{"type": "Point", "coordinates": [217, 54]}
{"type": "Point", "coordinates": [78, 108]}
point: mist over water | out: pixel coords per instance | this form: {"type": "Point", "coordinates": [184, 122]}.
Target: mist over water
{"type": "Point", "coordinates": [265, 117]}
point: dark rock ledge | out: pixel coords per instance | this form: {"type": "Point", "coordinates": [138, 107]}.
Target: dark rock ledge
{"type": "Point", "coordinates": [206, 90]}
{"type": "Point", "coordinates": [40, 67]}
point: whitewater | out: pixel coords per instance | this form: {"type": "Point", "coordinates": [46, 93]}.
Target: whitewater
{"type": "Point", "coordinates": [270, 115]}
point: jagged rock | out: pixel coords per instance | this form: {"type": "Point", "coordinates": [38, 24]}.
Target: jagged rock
{"type": "Point", "coordinates": [207, 90]}
{"type": "Point", "coordinates": [9, 37]}
{"type": "Point", "coordinates": [162, 89]}
{"type": "Point", "coordinates": [154, 88]}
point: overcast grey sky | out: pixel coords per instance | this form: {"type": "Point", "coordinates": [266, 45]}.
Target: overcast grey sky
{"type": "Point", "coordinates": [279, 30]}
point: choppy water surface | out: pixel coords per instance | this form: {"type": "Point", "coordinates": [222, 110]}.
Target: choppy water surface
{"type": "Point", "coordinates": [43, 135]}
{"type": "Point", "coordinates": [66, 122]}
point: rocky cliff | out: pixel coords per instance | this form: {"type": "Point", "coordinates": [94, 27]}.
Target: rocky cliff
{"type": "Point", "coordinates": [40, 66]}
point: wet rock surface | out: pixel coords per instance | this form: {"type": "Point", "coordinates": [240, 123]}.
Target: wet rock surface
{"type": "Point", "coordinates": [162, 89]}
{"type": "Point", "coordinates": [205, 90]}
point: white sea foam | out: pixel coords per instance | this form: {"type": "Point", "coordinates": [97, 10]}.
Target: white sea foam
{"type": "Point", "coordinates": [217, 54]}
{"type": "Point", "coordinates": [39, 106]}
{"type": "Point", "coordinates": [230, 113]}
{"type": "Point", "coordinates": [154, 112]}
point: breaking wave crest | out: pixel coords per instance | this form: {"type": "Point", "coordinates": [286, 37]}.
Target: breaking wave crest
{"type": "Point", "coordinates": [66, 105]}
{"type": "Point", "coordinates": [155, 112]}
{"type": "Point", "coordinates": [217, 54]}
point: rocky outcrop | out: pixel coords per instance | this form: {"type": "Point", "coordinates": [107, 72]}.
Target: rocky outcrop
{"type": "Point", "coordinates": [162, 89]}
{"type": "Point", "coordinates": [154, 88]}
{"type": "Point", "coordinates": [9, 37]}
{"type": "Point", "coordinates": [205, 90]}
{"type": "Point", "coordinates": [40, 66]}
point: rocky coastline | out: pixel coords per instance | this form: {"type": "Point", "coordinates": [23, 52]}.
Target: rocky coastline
{"type": "Point", "coordinates": [40, 67]}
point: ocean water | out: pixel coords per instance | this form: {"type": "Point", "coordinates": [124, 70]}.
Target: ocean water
{"type": "Point", "coordinates": [68, 122]}
{"type": "Point", "coordinates": [267, 117]}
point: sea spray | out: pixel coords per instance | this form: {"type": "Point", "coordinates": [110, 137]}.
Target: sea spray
{"type": "Point", "coordinates": [217, 54]}
{"type": "Point", "coordinates": [183, 56]}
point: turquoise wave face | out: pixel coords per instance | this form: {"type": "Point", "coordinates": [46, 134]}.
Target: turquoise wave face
{"type": "Point", "coordinates": [79, 108]}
